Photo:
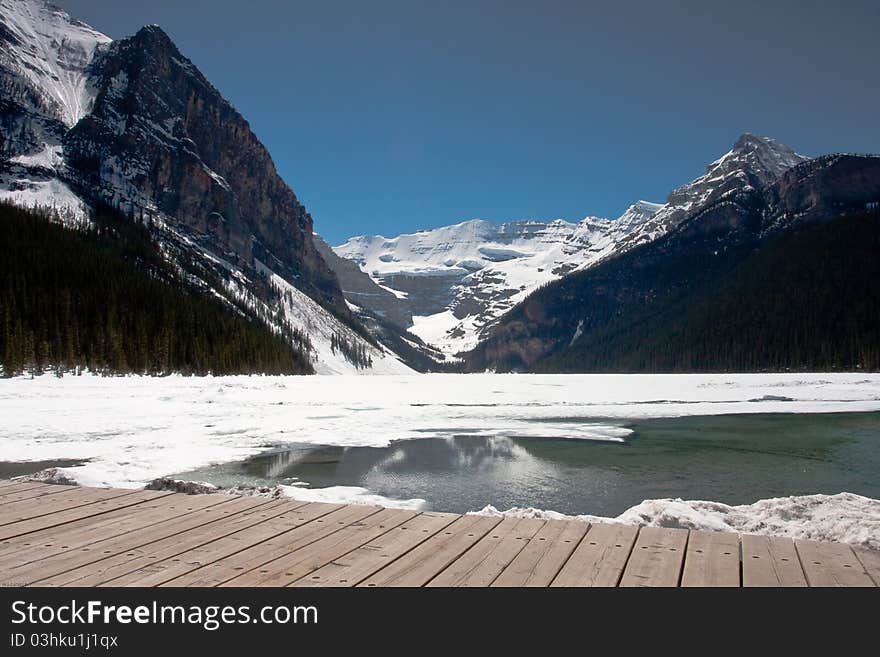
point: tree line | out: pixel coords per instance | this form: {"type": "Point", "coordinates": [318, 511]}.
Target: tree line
{"type": "Point", "coordinates": [102, 298]}
{"type": "Point", "coordinates": [806, 300]}
{"type": "Point", "coordinates": [353, 351]}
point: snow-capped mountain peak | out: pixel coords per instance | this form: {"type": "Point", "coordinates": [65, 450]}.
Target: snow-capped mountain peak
{"type": "Point", "coordinates": [53, 52]}
{"type": "Point", "coordinates": [763, 156]}
{"type": "Point", "coordinates": [639, 212]}
{"type": "Point", "coordinates": [752, 163]}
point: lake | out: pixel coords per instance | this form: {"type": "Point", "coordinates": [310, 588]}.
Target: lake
{"type": "Point", "coordinates": [734, 459]}
{"type": "Point", "coordinates": [594, 444]}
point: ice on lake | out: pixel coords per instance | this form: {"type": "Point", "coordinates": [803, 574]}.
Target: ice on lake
{"type": "Point", "coordinates": [133, 429]}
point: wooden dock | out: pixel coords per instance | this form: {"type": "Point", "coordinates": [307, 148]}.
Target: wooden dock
{"type": "Point", "coordinates": [53, 535]}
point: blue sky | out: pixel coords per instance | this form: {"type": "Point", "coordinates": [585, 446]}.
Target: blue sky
{"type": "Point", "coordinates": [388, 117]}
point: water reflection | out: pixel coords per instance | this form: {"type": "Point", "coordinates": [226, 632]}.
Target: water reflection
{"type": "Point", "coordinates": [452, 454]}
{"type": "Point", "coordinates": [732, 459]}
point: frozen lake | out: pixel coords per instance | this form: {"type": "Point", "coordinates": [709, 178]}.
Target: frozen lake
{"type": "Point", "coordinates": [735, 459]}
{"type": "Point", "coordinates": [575, 444]}
{"type": "Point", "coordinates": [134, 429]}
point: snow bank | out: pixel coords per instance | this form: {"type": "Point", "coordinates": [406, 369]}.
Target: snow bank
{"type": "Point", "coordinates": [181, 486]}
{"type": "Point", "coordinates": [844, 517]}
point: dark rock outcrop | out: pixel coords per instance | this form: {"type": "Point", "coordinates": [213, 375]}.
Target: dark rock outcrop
{"type": "Point", "coordinates": [180, 486]}
{"type": "Point", "coordinates": [48, 476]}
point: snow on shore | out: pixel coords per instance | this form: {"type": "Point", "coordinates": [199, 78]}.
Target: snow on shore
{"type": "Point", "coordinates": [843, 517]}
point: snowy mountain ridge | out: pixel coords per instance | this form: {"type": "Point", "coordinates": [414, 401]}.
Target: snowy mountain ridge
{"type": "Point", "coordinates": [752, 163]}
{"type": "Point", "coordinates": [456, 281]}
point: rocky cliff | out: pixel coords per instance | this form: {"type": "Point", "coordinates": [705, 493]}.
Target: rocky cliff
{"type": "Point", "coordinates": [161, 139]}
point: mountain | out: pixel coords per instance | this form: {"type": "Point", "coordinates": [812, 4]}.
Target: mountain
{"type": "Point", "coordinates": [46, 88]}
{"type": "Point", "coordinates": [752, 163]}
{"type": "Point", "coordinates": [448, 284]}
{"type": "Point", "coordinates": [132, 123]}
{"type": "Point", "coordinates": [772, 277]}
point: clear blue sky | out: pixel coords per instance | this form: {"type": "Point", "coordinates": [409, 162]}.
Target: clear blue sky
{"type": "Point", "coordinates": [387, 117]}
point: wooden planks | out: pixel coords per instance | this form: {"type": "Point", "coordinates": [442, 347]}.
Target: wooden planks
{"type": "Point", "coordinates": [7, 486]}
{"type": "Point", "coordinates": [546, 553]}
{"type": "Point", "coordinates": [70, 559]}
{"type": "Point", "coordinates": [95, 508]}
{"type": "Point", "coordinates": [420, 565]}
{"type": "Point", "coordinates": [831, 564]}
{"type": "Point", "coordinates": [870, 559]}
{"type": "Point", "coordinates": [600, 558]}
{"type": "Point", "coordinates": [125, 567]}
{"type": "Point", "coordinates": [296, 564]}
{"type": "Point", "coordinates": [86, 531]}
{"type": "Point", "coordinates": [199, 547]}
{"type": "Point", "coordinates": [656, 558]}
{"type": "Point", "coordinates": [711, 559]}
{"type": "Point", "coordinates": [331, 519]}
{"type": "Point", "coordinates": [352, 568]}
{"type": "Point", "coordinates": [24, 491]}
{"type": "Point", "coordinates": [488, 558]}
{"type": "Point", "coordinates": [55, 501]}
{"type": "Point", "coordinates": [181, 563]}
{"type": "Point", "coordinates": [770, 561]}
{"type": "Point", "coordinates": [53, 535]}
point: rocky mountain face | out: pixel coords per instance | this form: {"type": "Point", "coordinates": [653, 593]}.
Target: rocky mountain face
{"type": "Point", "coordinates": [133, 124]}
{"type": "Point", "coordinates": [822, 189]}
{"type": "Point", "coordinates": [362, 291]}
{"type": "Point", "coordinates": [45, 88]}
{"type": "Point", "coordinates": [751, 258]}
{"type": "Point", "coordinates": [161, 139]}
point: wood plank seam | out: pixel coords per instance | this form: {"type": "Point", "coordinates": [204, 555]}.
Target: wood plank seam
{"type": "Point", "coordinates": [684, 548]}
{"type": "Point", "coordinates": [182, 555]}
{"type": "Point", "coordinates": [570, 554]}
{"type": "Point", "coordinates": [193, 531]}
{"type": "Point", "coordinates": [356, 581]}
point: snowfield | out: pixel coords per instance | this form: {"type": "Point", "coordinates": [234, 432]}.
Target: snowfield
{"type": "Point", "coordinates": [135, 429]}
